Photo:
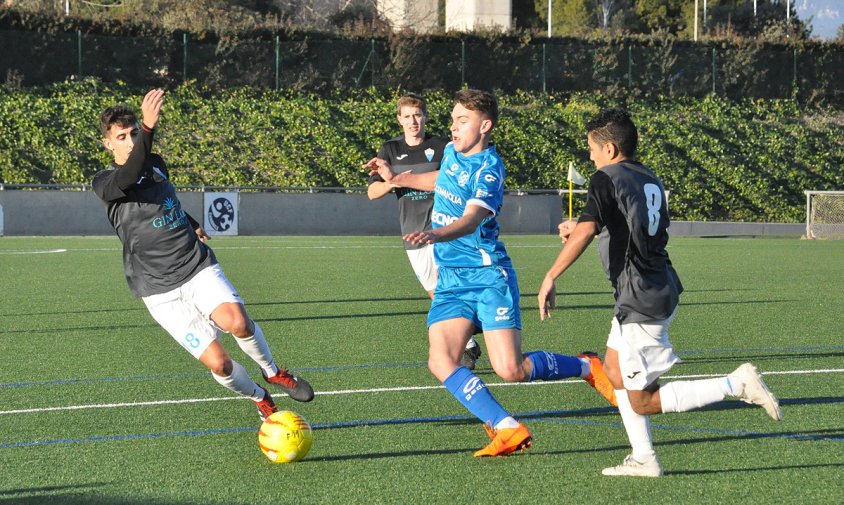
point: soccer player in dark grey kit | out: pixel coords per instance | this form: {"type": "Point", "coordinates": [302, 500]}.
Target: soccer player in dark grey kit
{"type": "Point", "coordinates": [417, 152]}
{"type": "Point", "coordinates": [626, 203]}
{"type": "Point", "coordinates": [168, 264]}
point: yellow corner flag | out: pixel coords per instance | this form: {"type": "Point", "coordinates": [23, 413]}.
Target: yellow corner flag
{"type": "Point", "coordinates": [574, 177]}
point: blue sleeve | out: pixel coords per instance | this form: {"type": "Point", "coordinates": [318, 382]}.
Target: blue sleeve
{"type": "Point", "coordinates": [488, 190]}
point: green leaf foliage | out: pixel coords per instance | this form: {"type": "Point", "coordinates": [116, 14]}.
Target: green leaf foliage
{"type": "Point", "coordinates": [747, 160]}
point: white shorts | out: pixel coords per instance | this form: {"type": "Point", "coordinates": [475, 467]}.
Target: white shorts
{"type": "Point", "coordinates": [422, 261]}
{"type": "Point", "coordinates": [185, 312]}
{"type": "Point", "coordinates": [644, 351]}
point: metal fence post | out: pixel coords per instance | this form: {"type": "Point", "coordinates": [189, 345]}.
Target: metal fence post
{"type": "Point", "coordinates": [276, 61]}
{"type": "Point", "coordinates": [630, 65]}
{"type": "Point", "coordinates": [372, 68]}
{"type": "Point", "coordinates": [79, 53]}
{"type": "Point", "coordinates": [543, 68]}
{"type": "Point", "coordinates": [184, 57]}
{"type": "Point", "coordinates": [794, 84]}
{"type": "Point", "coordinates": [462, 63]}
{"type": "Point", "coordinates": [713, 70]}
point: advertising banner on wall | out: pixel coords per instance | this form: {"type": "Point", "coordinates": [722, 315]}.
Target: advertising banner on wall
{"type": "Point", "coordinates": [220, 211]}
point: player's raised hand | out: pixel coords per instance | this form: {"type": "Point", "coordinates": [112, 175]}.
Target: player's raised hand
{"type": "Point", "coordinates": [547, 298]}
{"type": "Point", "coordinates": [566, 227]}
{"type": "Point", "coordinates": [151, 107]}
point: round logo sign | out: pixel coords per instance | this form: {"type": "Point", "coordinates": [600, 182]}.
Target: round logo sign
{"type": "Point", "coordinates": [221, 214]}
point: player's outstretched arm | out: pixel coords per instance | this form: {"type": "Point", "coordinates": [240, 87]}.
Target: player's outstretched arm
{"type": "Point", "coordinates": [378, 189]}
{"type": "Point", "coordinates": [423, 182]}
{"type": "Point", "coordinates": [381, 168]}
{"type": "Point", "coordinates": [577, 242]}
{"type": "Point", "coordinates": [468, 223]}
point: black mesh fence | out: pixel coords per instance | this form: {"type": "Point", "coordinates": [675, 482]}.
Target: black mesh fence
{"type": "Point", "coordinates": [814, 73]}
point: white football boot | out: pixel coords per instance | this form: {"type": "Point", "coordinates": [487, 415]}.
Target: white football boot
{"type": "Point", "coordinates": [755, 391]}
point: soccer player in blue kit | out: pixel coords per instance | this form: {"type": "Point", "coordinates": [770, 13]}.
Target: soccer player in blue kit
{"type": "Point", "coordinates": [418, 152]}
{"type": "Point", "coordinates": [477, 285]}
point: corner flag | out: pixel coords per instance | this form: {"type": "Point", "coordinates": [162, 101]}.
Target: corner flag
{"type": "Point", "coordinates": [574, 176]}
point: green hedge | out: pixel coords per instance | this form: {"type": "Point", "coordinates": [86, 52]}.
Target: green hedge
{"type": "Point", "coordinates": [721, 160]}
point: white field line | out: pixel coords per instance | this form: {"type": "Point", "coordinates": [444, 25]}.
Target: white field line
{"type": "Point", "coordinates": [368, 391]}
{"type": "Point", "coordinates": [222, 247]}
{"type": "Point", "coordinates": [51, 251]}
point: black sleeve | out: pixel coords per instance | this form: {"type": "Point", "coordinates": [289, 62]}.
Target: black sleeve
{"type": "Point", "coordinates": [128, 174]}
{"type": "Point", "coordinates": [600, 199]}
{"type": "Point", "coordinates": [194, 224]}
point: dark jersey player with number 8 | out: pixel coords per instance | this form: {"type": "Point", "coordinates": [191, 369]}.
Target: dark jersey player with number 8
{"type": "Point", "coordinates": [626, 205]}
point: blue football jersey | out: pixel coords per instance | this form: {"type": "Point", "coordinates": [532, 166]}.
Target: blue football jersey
{"type": "Point", "coordinates": [469, 180]}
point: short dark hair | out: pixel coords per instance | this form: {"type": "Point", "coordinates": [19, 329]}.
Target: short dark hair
{"type": "Point", "coordinates": [483, 102]}
{"type": "Point", "coordinates": [411, 100]}
{"type": "Point", "coordinates": [614, 126]}
{"type": "Point", "coordinates": [120, 115]}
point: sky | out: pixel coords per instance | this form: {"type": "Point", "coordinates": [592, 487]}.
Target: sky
{"type": "Point", "coordinates": [827, 15]}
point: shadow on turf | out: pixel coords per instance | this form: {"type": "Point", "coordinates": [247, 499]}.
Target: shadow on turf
{"type": "Point", "coordinates": [754, 469]}
{"type": "Point", "coordinates": [65, 329]}
{"type": "Point", "coordinates": [79, 494]}
{"type": "Point", "coordinates": [742, 356]}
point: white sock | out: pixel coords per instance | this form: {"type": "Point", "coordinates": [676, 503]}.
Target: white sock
{"type": "Point", "coordinates": [240, 383]}
{"type": "Point", "coordinates": [256, 347]}
{"type": "Point", "coordinates": [507, 422]}
{"type": "Point", "coordinates": [638, 428]}
{"type": "Point", "coordinates": [683, 396]}
{"type": "Point", "coordinates": [735, 385]}
{"type": "Point", "coordinates": [585, 367]}
{"type": "Point", "coordinates": [471, 343]}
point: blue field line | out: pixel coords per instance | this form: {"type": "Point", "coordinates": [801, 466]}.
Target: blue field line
{"type": "Point", "coordinates": [548, 416]}
{"type": "Point", "coordinates": [340, 368]}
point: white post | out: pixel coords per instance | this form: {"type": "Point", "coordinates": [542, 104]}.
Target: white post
{"type": "Point", "coordinates": [549, 18]}
{"type": "Point", "coordinates": [67, 7]}
{"type": "Point", "coordinates": [704, 15]}
{"type": "Point", "coordinates": [696, 20]}
{"type": "Point", "coordinates": [788, 10]}
{"type": "Point", "coordinates": [754, 8]}
{"type": "Point", "coordinates": [808, 214]}
{"type": "Point", "coordinates": [1, 220]}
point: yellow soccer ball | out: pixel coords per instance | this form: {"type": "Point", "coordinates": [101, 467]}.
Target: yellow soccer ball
{"type": "Point", "coordinates": [285, 437]}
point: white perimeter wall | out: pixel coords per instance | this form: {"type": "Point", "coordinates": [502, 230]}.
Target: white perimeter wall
{"type": "Point", "coordinates": [470, 15]}
{"type": "Point", "coordinates": [421, 16]}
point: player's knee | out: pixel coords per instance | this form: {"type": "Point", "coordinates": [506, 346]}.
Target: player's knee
{"type": "Point", "coordinates": [511, 373]}
{"type": "Point", "coordinates": [441, 366]}
{"type": "Point", "coordinates": [240, 327]}
{"type": "Point", "coordinates": [643, 404]}
{"type": "Point", "coordinates": [222, 366]}
{"type": "Point", "coordinates": [232, 318]}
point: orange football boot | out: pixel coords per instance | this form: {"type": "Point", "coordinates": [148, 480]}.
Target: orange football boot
{"type": "Point", "coordinates": [505, 441]}
{"type": "Point", "coordinates": [597, 378]}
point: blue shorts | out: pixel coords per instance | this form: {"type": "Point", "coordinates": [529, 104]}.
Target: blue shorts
{"type": "Point", "coordinates": [487, 296]}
